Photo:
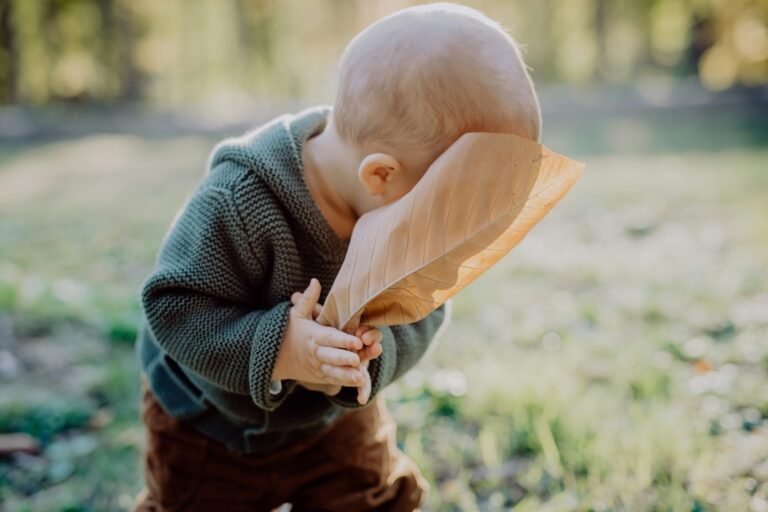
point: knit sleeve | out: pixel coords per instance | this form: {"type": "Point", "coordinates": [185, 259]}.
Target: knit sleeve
{"type": "Point", "coordinates": [403, 346]}
{"type": "Point", "coordinates": [200, 302]}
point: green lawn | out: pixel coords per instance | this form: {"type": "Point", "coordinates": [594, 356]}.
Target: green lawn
{"type": "Point", "coordinates": [616, 360]}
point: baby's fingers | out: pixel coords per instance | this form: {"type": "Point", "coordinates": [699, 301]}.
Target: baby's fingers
{"type": "Point", "coordinates": [369, 335]}
{"type": "Point", "coordinates": [371, 352]}
{"type": "Point", "coordinates": [338, 339]}
{"type": "Point", "coordinates": [305, 302]}
{"type": "Point", "coordinates": [337, 356]}
{"type": "Point", "coordinates": [296, 297]}
{"type": "Point", "coordinates": [364, 391]}
{"type": "Point", "coordinates": [342, 376]}
{"type": "Point", "coordinates": [361, 330]}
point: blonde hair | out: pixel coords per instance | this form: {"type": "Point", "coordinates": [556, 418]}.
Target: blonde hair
{"type": "Point", "coordinates": [414, 81]}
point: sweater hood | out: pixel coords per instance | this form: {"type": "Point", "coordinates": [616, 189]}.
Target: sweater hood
{"type": "Point", "coordinates": [262, 145]}
{"type": "Point", "coordinates": [272, 155]}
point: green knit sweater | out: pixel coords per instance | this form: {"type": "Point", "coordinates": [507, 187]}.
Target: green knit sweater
{"type": "Point", "coordinates": [216, 306]}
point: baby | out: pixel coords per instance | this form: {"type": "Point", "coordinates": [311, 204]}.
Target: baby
{"type": "Point", "coordinates": [248, 402]}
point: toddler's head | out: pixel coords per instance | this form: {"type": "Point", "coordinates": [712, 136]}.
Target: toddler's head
{"type": "Point", "coordinates": [414, 82]}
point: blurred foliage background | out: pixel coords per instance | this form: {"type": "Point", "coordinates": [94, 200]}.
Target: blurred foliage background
{"type": "Point", "coordinates": [174, 52]}
{"type": "Point", "coordinates": [617, 360]}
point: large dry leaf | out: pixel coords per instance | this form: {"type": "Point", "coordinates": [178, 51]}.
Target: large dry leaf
{"type": "Point", "coordinates": [473, 205]}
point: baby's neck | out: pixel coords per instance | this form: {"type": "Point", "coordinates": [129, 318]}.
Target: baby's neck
{"type": "Point", "coordinates": [327, 174]}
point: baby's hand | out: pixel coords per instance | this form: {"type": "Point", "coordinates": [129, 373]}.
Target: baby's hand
{"type": "Point", "coordinates": [314, 353]}
{"type": "Point", "coordinates": [371, 338]}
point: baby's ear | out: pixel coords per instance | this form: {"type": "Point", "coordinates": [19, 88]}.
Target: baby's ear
{"type": "Point", "coordinates": [377, 171]}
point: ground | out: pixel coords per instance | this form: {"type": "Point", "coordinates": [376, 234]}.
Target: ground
{"type": "Point", "coordinates": [615, 360]}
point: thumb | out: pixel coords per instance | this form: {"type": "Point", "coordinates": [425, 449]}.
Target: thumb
{"type": "Point", "coordinates": [307, 301]}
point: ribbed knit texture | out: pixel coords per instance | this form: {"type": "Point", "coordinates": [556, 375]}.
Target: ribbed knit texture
{"type": "Point", "coordinates": [217, 303]}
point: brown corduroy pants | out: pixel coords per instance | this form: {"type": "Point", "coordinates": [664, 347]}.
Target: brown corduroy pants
{"type": "Point", "coordinates": [353, 466]}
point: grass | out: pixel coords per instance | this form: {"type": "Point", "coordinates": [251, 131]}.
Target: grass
{"type": "Point", "coordinates": [616, 360]}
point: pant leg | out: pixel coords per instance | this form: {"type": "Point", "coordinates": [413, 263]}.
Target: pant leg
{"type": "Point", "coordinates": [358, 467]}
{"type": "Point", "coordinates": [184, 470]}
{"type": "Point", "coordinates": [353, 466]}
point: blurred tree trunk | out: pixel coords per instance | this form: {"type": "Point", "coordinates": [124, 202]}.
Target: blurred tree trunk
{"type": "Point", "coordinates": [119, 37]}
{"type": "Point", "coordinates": [8, 55]}
{"type": "Point", "coordinates": [601, 38]}
{"type": "Point", "coordinates": [132, 79]}
{"type": "Point", "coordinates": [257, 39]}
{"type": "Point", "coordinates": [51, 44]}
